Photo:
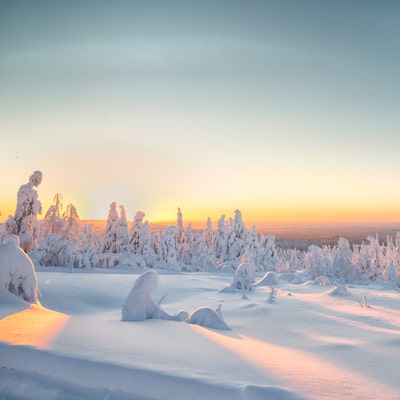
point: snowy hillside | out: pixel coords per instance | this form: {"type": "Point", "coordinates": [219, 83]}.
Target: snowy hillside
{"type": "Point", "coordinates": [307, 341]}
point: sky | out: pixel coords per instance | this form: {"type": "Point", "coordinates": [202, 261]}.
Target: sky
{"type": "Point", "coordinates": [285, 110]}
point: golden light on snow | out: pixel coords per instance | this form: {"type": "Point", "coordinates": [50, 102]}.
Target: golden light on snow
{"type": "Point", "coordinates": [36, 326]}
{"type": "Point", "coordinates": [285, 365]}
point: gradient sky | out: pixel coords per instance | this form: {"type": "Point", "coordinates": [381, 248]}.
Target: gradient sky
{"type": "Point", "coordinates": [286, 110]}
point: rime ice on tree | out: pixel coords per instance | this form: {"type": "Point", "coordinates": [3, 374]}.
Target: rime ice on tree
{"type": "Point", "coordinates": [24, 224]}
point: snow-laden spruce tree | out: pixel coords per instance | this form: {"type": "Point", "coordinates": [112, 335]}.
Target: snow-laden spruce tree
{"type": "Point", "coordinates": [180, 238]}
{"type": "Point", "coordinates": [24, 223]}
{"type": "Point", "coordinates": [342, 265]}
{"type": "Point", "coordinates": [187, 251]}
{"type": "Point", "coordinates": [316, 263]}
{"type": "Point", "coordinates": [221, 239]}
{"type": "Point", "coordinates": [237, 237]}
{"type": "Point", "coordinates": [136, 231]}
{"type": "Point", "coordinates": [53, 221]}
{"type": "Point", "coordinates": [17, 273]}
{"type": "Point", "coordinates": [209, 234]}
{"type": "Point", "coordinates": [122, 244]}
{"type": "Point", "coordinates": [71, 224]}
{"type": "Point", "coordinates": [110, 234]}
{"type": "Point", "coordinates": [168, 251]}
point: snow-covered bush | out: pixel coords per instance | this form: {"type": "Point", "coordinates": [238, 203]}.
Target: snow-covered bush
{"type": "Point", "coordinates": [209, 318]}
{"type": "Point", "coordinates": [392, 274]}
{"type": "Point", "coordinates": [127, 259]}
{"type": "Point", "coordinates": [139, 305]}
{"type": "Point", "coordinates": [54, 251]}
{"type": "Point", "coordinates": [17, 273]}
{"type": "Point", "coordinates": [269, 278]}
{"type": "Point", "coordinates": [244, 277]}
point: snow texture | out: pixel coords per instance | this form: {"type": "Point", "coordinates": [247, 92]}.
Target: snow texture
{"type": "Point", "coordinates": [322, 331]}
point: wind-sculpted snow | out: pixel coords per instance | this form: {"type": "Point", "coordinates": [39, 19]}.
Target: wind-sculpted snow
{"type": "Point", "coordinates": [72, 378]}
{"type": "Point", "coordinates": [17, 273]}
{"type": "Point", "coordinates": [307, 344]}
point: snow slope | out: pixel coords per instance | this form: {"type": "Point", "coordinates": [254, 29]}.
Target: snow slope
{"type": "Point", "coordinates": [311, 342]}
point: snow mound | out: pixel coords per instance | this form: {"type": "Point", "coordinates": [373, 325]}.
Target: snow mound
{"type": "Point", "coordinates": [17, 273]}
{"type": "Point", "coordinates": [207, 317]}
{"type": "Point", "coordinates": [269, 278]}
{"type": "Point", "coordinates": [139, 306]}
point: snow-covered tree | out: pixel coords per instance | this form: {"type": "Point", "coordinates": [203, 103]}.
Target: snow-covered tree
{"type": "Point", "coordinates": [221, 239]}
{"type": "Point", "coordinates": [122, 242]}
{"type": "Point", "coordinates": [53, 221]}
{"type": "Point", "coordinates": [180, 238]}
{"type": "Point", "coordinates": [136, 231]}
{"type": "Point", "coordinates": [237, 237]}
{"type": "Point", "coordinates": [71, 225]}
{"type": "Point", "coordinates": [110, 235]}
{"type": "Point", "coordinates": [342, 265]}
{"type": "Point", "coordinates": [209, 234]}
{"type": "Point", "coordinates": [24, 223]}
{"type": "Point", "coordinates": [168, 251]}
{"type": "Point", "coordinates": [316, 263]}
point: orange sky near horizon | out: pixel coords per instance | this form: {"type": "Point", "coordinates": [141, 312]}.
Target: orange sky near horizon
{"type": "Point", "coordinates": [287, 111]}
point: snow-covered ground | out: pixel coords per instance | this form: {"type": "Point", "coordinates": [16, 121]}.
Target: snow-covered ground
{"type": "Point", "coordinates": [309, 342]}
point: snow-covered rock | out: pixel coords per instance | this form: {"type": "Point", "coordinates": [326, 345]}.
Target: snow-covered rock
{"type": "Point", "coordinates": [17, 273]}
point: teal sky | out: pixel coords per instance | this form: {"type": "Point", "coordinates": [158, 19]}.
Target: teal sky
{"type": "Point", "coordinates": [287, 110]}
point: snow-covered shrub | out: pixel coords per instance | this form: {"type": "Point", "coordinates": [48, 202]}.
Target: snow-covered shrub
{"type": "Point", "coordinates": [392, 274]}
{"type": "Point", "coordinates": [272, 295]}
{"type": "Point", "coordinates": [24, 223]}
{"type": "Point", "coordinates": [207, 317]}
{"type": "Point", "coordinates": [127, 259]}
{"type": "Point", "coordinates": [57, 252]}
{"type": "Point", "coordinates": [17, 273]}
{"type": "Point", "coordinates": [139, 305]}
{"type": "Point", "coordinates": [269, 278]}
